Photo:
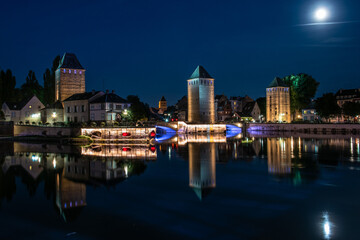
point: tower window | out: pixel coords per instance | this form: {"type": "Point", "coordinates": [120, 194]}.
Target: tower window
{"type": "Point", "coordinates": [69, 70]}
{"type": "Point", "coordinates": [80, 72]}
{"type": "Point", "coordinates": [75, 71]}
{"type": "Point", "coordinates": [64, 70]}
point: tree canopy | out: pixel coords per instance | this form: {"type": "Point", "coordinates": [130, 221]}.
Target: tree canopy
{"type": "Point", "coordinates": [138, 110]}
{"type": "Point", "coordinates": [32, 87]}
{"type": "Point", "coordinates": [303, 88]}
{"type": "Point", "coordinates": [7, 86]}
{"type": "Point", "coordinates": [326, 106]}
{"type": "Point", "coordinates": [351, 109]}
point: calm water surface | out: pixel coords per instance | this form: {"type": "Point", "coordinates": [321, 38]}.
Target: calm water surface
{"type": "Point", "coordinates": [199, 187]}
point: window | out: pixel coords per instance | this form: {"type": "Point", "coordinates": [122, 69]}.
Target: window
{"type": "Point", "coordinates": [82, 119]}
{"type": "Point", "coordinates": [75, 71]}
{"type": "Point", "coordinates": [103, 116]}
{"type": "Point", "coordinates": [27, 114]}
{"type": "Point", "coordinates": [80, 72]}
{"type": "Point", "coordinates": [13, 114]}
{"type": "Point", "coordinates": [82, 108]}
{"type": "Point", "coordinates": [102, 106]}
{"type": "Point", "coordinates": [92, 107]}
{"type": "Point", "coordinates": [30, 106]}
{"type": "Point", "coordinates": [75, 119]}
{"type": "Point", "coordinates": [64, 70]}
{"type": "Point", "coordinates": [68, 109]}
{"type": "Point", "coordinates": [111, 105]}
{"type": "Point", "coordinates": [75, 108]}
{"type": "Point", "coordinates": [69, 119]}
{"type": "Point", "coordinates": [69, 70]}
{"type": "Point", "coordinates": [92, 116]}
{"type": "Point", "coordinates": [118, 107]}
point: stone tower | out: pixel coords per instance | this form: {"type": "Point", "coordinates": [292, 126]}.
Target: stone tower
{"type": "Point", "coordinates": [278, 102]}
{"type": "Point", "coordinates": [69, 77]}
{"type": "Point", "coordinates": [201, 105]}
{"type": "Point", "coordinates": [163, 104]}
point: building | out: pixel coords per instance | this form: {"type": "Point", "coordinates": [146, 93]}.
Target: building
{"type": "Point", "coordinates": [201, 106]}
{"type": "Point", "coordinates": [162, 105]}
{"type": "Point", "coordinates": [278, 102]}
{"type": "Point", "coordinates": [53, 113]}
{"type": "Point", "coordinates": [108, 107]}
{"type": "Point", "coordinates": [26, 111]}
{"type": "Point", "coordinates": [69, 77]}
{"type": "Point", "coordinates": [309, 113]}
{"type": "Point", "coordinates": [76, 107]}
{"type": "Point", "coordinates": [347, 95]}
{"type": "Point", "coordinates": [237, 103]}
{"type": "Point", "coordinates": [251, 112]}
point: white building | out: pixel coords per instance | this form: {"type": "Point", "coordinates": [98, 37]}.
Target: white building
{"type": "Point", "coordinates": [108, 107]}
{"type": "Point", "coordinates": [26, 111]}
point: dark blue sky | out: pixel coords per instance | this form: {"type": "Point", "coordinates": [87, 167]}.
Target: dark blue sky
{"type": "Point", "coordinates": [150, 48]}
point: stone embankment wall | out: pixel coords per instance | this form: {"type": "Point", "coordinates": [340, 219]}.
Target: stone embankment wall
{"type": "Point", "coordinates": [305, 128]}
{"type": "Point", "coordinates": [24, 130]}
{"type": "Point", "coordinates": [6, 128]}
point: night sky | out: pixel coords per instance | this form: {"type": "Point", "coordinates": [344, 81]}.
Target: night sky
{"type": "Point", "coordinates": [150, 48]}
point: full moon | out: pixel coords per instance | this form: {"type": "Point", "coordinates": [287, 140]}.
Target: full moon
{"type": "Point", "coordinates": [321, 14]}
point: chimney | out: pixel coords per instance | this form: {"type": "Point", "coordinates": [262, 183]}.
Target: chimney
{"type": "Point", "coordinates": [93, 91]}
{"type": "Point", "coordinates": [113, 91]}
{"type": "Point", "coordinates": [107, 91]}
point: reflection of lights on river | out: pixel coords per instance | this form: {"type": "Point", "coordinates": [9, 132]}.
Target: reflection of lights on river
{"type": "Point", "coordinates": [126, 170]}
{"type": "Point", "coordinates": [54, 162]}
{"type": "Point", "coordinates": [326, 224]}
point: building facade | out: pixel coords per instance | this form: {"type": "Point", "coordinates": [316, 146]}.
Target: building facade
{"type": "Point", "coordinates": [108, 107]}
{"type": "Point", "coordinates": [278, 102]}
{"type": "Point", "coordinates": [26, 111]}
{"type": "Point", "coordinates": [76, 107]}
{"type": "Point", "coordinates": [201, 106]}
{"type": "Point", "coordinates": [347, 95]}
{"type": "Point", "coordinates": [53, 113]}
{"type": "Point", "coordinates": [69, 77]}
{"type": "Point", "coordinates": [162, 105]}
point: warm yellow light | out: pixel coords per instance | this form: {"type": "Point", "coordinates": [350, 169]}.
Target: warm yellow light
{"type": "Point", "coordinates": [53, 114]}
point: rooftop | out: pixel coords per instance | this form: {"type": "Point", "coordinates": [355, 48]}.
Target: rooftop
{"type": "Point", "coordinates": [18, 105]}
{"type": "Point", "coordinates": [163, 99]}
{"type": "Point", "coordinates": [109, 97]}
{"type": "Point", "coordinates": [81, 96]}
{"type": "Point", "coordinates": [277, 82]}
{"type": "Point", "coordinates": [69, 60]}
{"type": "Point", "coordinates": [200, 72]}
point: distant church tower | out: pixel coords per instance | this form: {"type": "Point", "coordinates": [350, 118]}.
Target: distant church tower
{"type": "Point", "coordinates": [201, 106]}
{"type": "Point", "coordinates": [163, 104]}
{"type": "Point", "coordinates": [69, 77]}
{"type": "Point", "coordinates": [278, 102]}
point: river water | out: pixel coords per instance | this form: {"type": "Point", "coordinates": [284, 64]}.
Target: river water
{"type": "Point", "coordinates": [187, 187]}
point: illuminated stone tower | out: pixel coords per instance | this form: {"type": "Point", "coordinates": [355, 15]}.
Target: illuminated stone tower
{"type": "Point", "coordinates": [278, 102]}
{"type": "Point", "coordinates": [69, 77]}
{"type": "Point", "coordinates": [163, 104]}
{"type": "Point", "coordinates": [201, 106]}
{"type": "Point", "coordinates": [202, 160]}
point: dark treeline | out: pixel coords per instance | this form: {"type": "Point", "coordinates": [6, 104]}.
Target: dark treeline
{"type": "Point", "coordinates": [46, 92]}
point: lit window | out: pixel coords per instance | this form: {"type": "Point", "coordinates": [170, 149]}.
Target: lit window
{"type": "Point", "coordinates": [80, 72]}
{"type": "Point", "coordinates": [69, 70]}
{"type": "Point", "coordinates": [75, 71]}
{"type": "Point", "coordinates": [30, 106]}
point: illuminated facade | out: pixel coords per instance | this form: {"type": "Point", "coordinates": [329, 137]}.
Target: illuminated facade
{"type": "Point", "coordinates": [26, 111]}
{"type": "Point", "coordinates": [201, 106]}
{"type": "Point", "coordinates": [69, 77]}
{"type": "Point", "coordinates": [202, 168]}
{"type": "Point", "coordinates": [278, 102]}
{"type": "Point", "coordinates": [162, 105]}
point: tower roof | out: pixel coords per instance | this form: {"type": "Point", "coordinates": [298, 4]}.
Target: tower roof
{"type": "Point", "coordinates": [277, 82]}
{"type": "Point", "coordinates": [200, 72]}
{"type": "Point", "coordinates": [163, 99]}
{"type": "Point", "coordinates": [69, 60]}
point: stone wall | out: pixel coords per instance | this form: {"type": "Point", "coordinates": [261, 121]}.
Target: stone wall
{"type": "Point", "coordinates": [24, 130]}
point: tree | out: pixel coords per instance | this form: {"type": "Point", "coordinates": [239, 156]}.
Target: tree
{"type": "Point", "coordinates": [351, 109]}
{"type": "Point", "coordinates": [261, 101]}
{"type": "Point", "coordinates": [138, 109]}
{"type": "Point", "coordinates": [326, 106]}
{"type": "Point", "coordinates": [49, 82]}
{"type": "Point", "coordinates": [32, 87]}
{"type": "Point", "coordinates": [303, 88]}
{"type": "Point", "coordinates": [7, 86]}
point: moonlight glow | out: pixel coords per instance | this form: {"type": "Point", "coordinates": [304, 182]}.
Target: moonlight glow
{"type": "Point", "coordinates": [321, 14]}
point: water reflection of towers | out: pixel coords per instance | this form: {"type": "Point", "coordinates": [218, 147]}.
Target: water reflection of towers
{"type": "Point", "coordinates": [279, 155]}
{"type": "Point", "coordinates": [202, 160]}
